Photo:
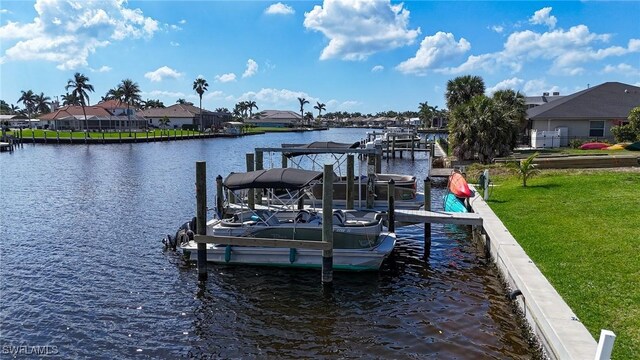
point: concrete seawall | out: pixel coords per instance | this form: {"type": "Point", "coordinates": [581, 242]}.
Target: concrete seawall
{"type": "Point", "coordinates": [557, 327]}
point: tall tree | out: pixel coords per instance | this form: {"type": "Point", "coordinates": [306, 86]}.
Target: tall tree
{"type": "Point", "coordinates": [302, 102]}
{"type": "Point", "coordinates": [80, 89]}
{"type": "Point", "coordinates": [462, 89]}
{"type": "Point", "coordinates": [478, 127]}
{"type": "Point", "coordinates": [28, 100]}
{"type": "Point", "coordinates": [42, 104]}
{"type": "Point", "coordinates": [512, 107]}
{"type": "Point", "coordinates": [70, 99]}
{"type": "Point", "coordinates": [4, 108]}
{"type": "Point", "coordinates": [320, 107]}
{"type": "Point", "coordinates": [250, 106]}
{"type": "Point", "coordinates": [181, 101]}
{"type": "Point", "coordinates": [200, 86]}
{"type": "Point", "coordinates": [130, 94]}
{"type": "Point", "coordinates": [426, 113]}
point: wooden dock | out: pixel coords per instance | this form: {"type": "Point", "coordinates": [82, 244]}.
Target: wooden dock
{"type": "Point", "coordinates": [439, 217]}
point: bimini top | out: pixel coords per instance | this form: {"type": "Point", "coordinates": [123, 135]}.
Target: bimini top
{"type": "Point", "coordinates": [287, 178]}
{"type": "Point", "coordinates": [329, 145]}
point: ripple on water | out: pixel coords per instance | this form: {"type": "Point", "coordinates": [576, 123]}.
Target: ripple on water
{"type": "Point", "coordinates": [82, 269]}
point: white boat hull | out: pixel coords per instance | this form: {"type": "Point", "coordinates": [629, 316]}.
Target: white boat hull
{"type": "Point", "coordinates": [343, 259]}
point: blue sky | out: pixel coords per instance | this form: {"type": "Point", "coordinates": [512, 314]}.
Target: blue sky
{"type": "Point", "coordinates": [365, 56]}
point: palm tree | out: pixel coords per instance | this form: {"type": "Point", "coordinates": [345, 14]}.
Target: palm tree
{"type": "Point", "coordinates": [130, 94]}
{"type": "Point", "coordinates": [461, 89]}
{"type": "Point", "coordinates": [42, 103]}
{"type": "Point", "coordinates": [70, 99]}
{"type": "Point", "coordinates": [512, 106]}
{"type": "Point", "coordinates": [14, 109]}
{"type": "Point", "coordinates": [426, 113]}
{"type": "Point", "coordinates": [164, 121]}
{"type": "Point", "coordinates": [525, 168]}
{"type": "Point", "coordinates": [320, 106]}
{"type": "Point", "coordinates": [4, 107]}
{"type": "Point", "coordinates": [250, 105]}
{"type": "Point", "coordinates": [308, 116]}
{"type": "Point", "coordinates": [28, 100]}
{"type": "Point", "coordinates": [80, 87]}
{"type": "Point", "coordinates": [152, 103]}
{"type": "Point", "coordinates": [200, 86]}
{"type": "Point", "coordinates": [302, 102]}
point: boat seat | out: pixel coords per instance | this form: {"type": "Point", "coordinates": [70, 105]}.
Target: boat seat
{"type": "Point", "coordinates": [338, 217]}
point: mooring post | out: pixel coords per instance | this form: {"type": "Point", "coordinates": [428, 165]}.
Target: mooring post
{"type": "Point", "coordinates": [485, 186]}
{"type": "Point", "coordinates": [350, 182]}
{"type": "Point", "coordinates": [378, 158]}
{"type": "Point", "coordinates": [605, 345]}
{"type": "Point", "coordinates": [393, 145]}
{"type": "Point", "coordinates": [427, 226]}
{"type": "Point", "coordinates": [391, 190]}
{"type": "Point", "coordinates": [251, 199]}
{"type": "Point", "coordinates": [219, 196]}
{"type": "Point", "coordinates": [327, 224]}
{"type": "Point", "coordinates": [371, 181]}
{"type": "Point", "coordinates": [58, 136]}
{"type": "Point", "coordinates": [45, 136]}
{"type": "Point", "coordinates": [413, 136]}
{"type": "Point", "coordinates": [284, 161]}
{"type": "Point", "coordinates": [201, 216]}
{"type": "Point", "coordinates": [259, 166]}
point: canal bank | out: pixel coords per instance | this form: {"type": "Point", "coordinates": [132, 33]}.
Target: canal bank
{"type": "Point", "coordinates": [559, 330]}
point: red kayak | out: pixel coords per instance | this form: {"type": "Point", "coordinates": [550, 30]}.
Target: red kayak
{"type": "Point", "coordinates": [594, 146]}
{"type": "Point", "coordinates": [458, 185]}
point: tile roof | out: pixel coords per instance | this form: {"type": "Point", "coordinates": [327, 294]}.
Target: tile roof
{"type": "Point", "coordinates": [73, 110]}
{"type": "Point", "coordinates": [173, 111]}
{"type": "Point", "coordinates": [611, 100]}
{"type": "Point", "coordinates": [279, 115]}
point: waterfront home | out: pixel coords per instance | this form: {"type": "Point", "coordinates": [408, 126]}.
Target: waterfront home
{"type": "Point", "coordinates": [587, 114]}
{"type": "Point", "coordinates": [72, 117]}
{"type": "Point", "coordinates": [184, 116]}
{"type": "Point", "coordinates": [275, 118]}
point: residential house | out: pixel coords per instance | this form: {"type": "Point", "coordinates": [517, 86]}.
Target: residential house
{"type": "Point", "coordinates": [533, 101]}
{"type": "Point", "coordinates": [276, 118]}
{"type": "Point", "coordinates": [185, 116]}
{"type": "Point", "coordinates": [587, 114]}
{"type": "Point", "coordinates": [99, 117]}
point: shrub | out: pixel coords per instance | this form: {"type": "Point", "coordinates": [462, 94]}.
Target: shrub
{"type": "Point", "coordinates": [576, 143]}
{"type": "Point", "coordinates": [624, 133]}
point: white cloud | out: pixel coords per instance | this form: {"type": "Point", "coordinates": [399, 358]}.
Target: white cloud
{"type": "Point", "coordinates": [566, 50]}
{"type": "Point", "coordinates": [252, 68]}
{"type": "Point", "coordinates": [103, 68]}
{"type": "Point", "coordinates": [543, 17]}
{"type": "Point", "coordinates": [173, 43]}
{"type": "Point", "coordinates": [5, 11]}
{"type": "Point", "coordinates": [67, 32]}
{"type": "Point", "coordinates": [377, 68]}
{"type": "Point", "coordinates": [277, 97]}
{"type": "Point", "coordinates": [513, 84]}
{"type": "Point", "coordinates": [162, 73]}
{"type": "Point", "coordinates": [622, 68]}
{"type": "Point", "coordinates": [497, 28]}
{"type": "Point", "coordinates": [373, 26]}
{"type": "Point", "coordinates": [169, 94]}
{"type": "Point", "coordinates": [213, 95]}
{"type": "Point", "coordinates": [182, 22]}
{"type": "Point", "coordinates": [279, 9]}
{"type": "Point", "coordinates": [434, 50]}
{"type": "Point", "coordinates": [226, 77]}
{"type": "Point", "coordinates": [538, 86]}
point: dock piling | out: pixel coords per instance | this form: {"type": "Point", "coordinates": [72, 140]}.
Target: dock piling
{"type": "Point", "coordinates": [327, 224]}
{"type": "Point", "coordinates": [259, 166]}
{"type": "Point", "coordinates": [201, 216]}
{"type": "Point", "coordinates": [391, 191]}
{"type": "Point", "coordinates": [427, 226]}
{"type": "Point", "coordinates": [350, 182]}
{"type": "Point", "coordinates": [219, 196]}
{"type": "Point", "coordinates": [251, 200]}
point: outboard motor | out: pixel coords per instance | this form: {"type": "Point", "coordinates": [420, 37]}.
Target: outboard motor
{"type": "Point", "coordinates": [183, 235]}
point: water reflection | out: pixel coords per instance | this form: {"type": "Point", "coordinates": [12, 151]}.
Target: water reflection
{"type": "Point", "coordinates": [82, 268]}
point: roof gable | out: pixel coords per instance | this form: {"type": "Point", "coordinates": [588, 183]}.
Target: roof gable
{"type": "Point", "coordinates": [611, 100]}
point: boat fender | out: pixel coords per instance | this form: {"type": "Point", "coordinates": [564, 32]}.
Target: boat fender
{"type": "Point", "coordinates": [227, 253]}
{"type": "Point", "coordinates": [183, 238]}
{"type": "Point", "coordinates": [292, 255]}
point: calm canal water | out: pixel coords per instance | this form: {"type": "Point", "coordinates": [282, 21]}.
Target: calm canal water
{"type": "Point", "coordinates": [83, 270]}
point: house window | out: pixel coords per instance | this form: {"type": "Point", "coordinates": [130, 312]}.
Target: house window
{"type": "Point", "coordinates": [596, 128]}
{"type": "Point", "coordinates": [150, 121]}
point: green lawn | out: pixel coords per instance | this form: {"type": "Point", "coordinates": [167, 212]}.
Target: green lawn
{"type": "Point", "coordinates": [582, 229]}
{"type": "Point", "coordinates": [51, 134]}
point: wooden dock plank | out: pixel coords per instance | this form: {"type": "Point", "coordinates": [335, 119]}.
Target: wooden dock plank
{"type": "Point", "coordinates": [421, 216]}
{"type": "Point", "coordinates": [250, 241]}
